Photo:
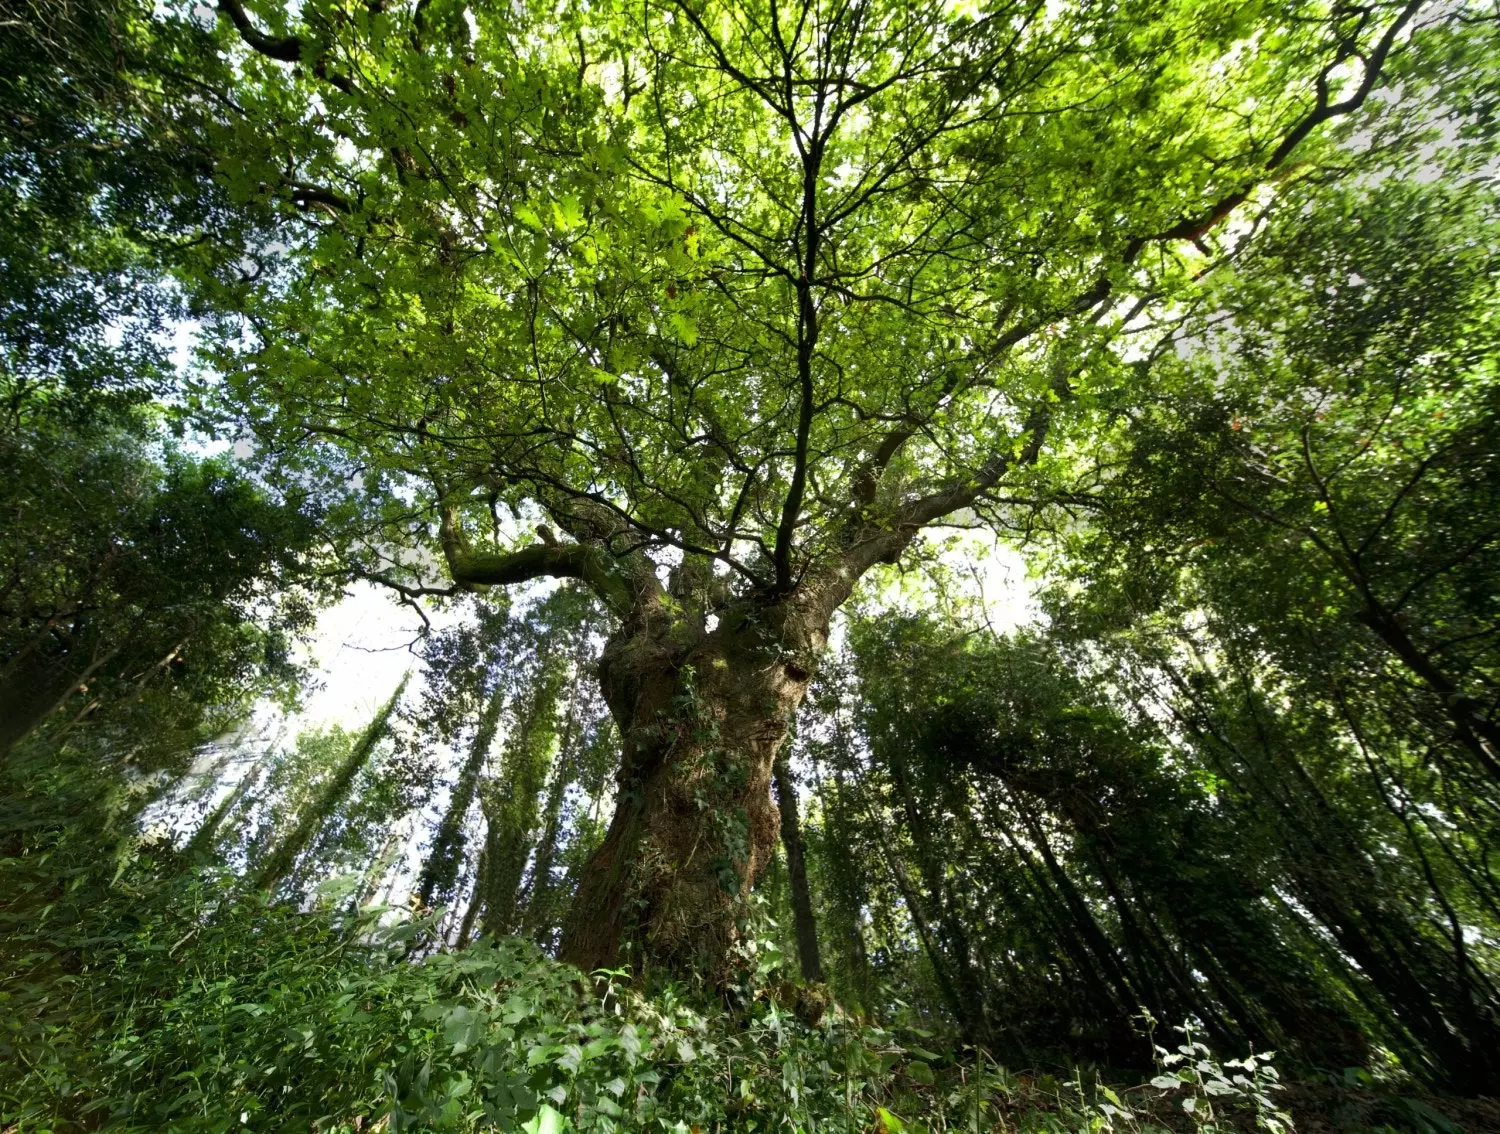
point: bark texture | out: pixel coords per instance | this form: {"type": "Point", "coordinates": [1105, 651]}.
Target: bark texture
{"type": "Point", "coordinates": [702, 714]}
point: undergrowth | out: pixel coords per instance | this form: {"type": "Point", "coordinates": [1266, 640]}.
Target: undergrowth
{"type": "Point", "coordinates": [201, 1012]}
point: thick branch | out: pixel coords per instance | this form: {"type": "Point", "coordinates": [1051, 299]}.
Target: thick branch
{"type": "Point", "coordinates": [807, 342]}
{"type": "Point", "coordinates": [287, 48]}
{"type": "Point", "coordinates": [284, 49]}
{"type": "Point", "coordinates": [592, 564]}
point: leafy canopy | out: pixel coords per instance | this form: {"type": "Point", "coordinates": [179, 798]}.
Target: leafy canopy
{"type": "Point", "coordinates": [779, 285]}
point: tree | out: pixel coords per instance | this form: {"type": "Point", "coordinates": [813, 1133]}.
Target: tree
{"type": "Point", "coordinates": [125, 571]}
{"type": "Point", "coordinates": [806, 928]}
{"type": "Point", "coordinates": [128, 567]}
{"type": "Point", "coordinates": [440, 870]}
{"type": "Point", "coordinates": [738, 299]}
{"type": "Point", "coordinates": [1337, 435]}
{"type": "Point", "coordinates": [1286, 548]}
{"type": "Point", "coordinates": [316, 811]}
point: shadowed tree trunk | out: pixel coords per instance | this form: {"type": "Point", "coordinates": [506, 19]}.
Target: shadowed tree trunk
{"type": "Point", "coordinates": [476, 899]}
{"type": "Point", "coordinates": [536, 920]}
{"type": "Point", "coordinates": [207, 836]}
{"type": "Point", "coordinates": [32, 692]}
{"type": "Point", "coordinates": [796, 867]}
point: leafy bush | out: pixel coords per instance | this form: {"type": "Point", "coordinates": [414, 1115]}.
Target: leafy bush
{"type": "Point", "coordinates": [210, 1013]}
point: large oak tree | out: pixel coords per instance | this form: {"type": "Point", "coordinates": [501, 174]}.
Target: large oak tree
{"type": "Point", "coordinates": [732, 300]}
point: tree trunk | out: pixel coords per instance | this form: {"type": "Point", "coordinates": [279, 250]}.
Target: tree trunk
{"type": "Point", "coordinates": [511, 806]}
{"type": "Point", "coordinates": [796, 868]}
{"type": "Point", "coordinates": [1473, 729]}
{"type": "Point", "coordinates": [284, 856]}
{"type": "Point", "coordinates": [441, 869]}
{"type": "Point", "coordinates": [206, 838]}
{"type": "Point", "coordinates": [481, 879]}
{"type": "Point", "coordinates": [702, 717]}
{"type": "Point", "coordinates": [536, 921]}
{"type": "Point", "coordinates": [29, 697]}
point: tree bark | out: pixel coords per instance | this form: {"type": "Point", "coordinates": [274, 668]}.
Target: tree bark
{"type": "Point", "coordinates": [441, 869]}
{"type": "Point", "coordinates": [476, 899]}
{"type": "Point", "coordinates": [702, 716]}
{"type": "Point", "coordinates": [206, 838]}
{"type": "Point", "coordinates": [796, 867]}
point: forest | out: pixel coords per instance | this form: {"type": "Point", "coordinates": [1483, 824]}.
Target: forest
{"type": "Point", "coordinates": [943, 561]}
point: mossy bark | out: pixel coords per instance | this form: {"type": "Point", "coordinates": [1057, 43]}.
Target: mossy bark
{"type": "Point", "coordinates": [703, 714]}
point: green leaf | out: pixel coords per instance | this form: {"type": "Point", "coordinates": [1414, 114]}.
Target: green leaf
{"type": "Point", "coordinates": [547, 1121]}
{"type": "Point", "coordinates": [567, 213]}
{"type": "Point", "coordinates": [528, 217]}
{"type": "Point", "coordinates": [683, 328]}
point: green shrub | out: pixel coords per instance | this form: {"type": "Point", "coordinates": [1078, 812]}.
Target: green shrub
{"type": "Point", "coordinates": [211, 1013]}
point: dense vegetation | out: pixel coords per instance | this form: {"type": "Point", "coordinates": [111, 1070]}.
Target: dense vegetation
{"type": "Point", "coordinates": [684, 368]}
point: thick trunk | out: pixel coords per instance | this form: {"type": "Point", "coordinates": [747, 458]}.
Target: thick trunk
{"type": "Point", "coordinates": [702, 716]}
{"type": "Point", "coordinates": [796, 868]}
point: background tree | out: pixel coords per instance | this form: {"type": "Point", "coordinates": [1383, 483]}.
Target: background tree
{"type": "Point", "coordinates": [1227, 788]}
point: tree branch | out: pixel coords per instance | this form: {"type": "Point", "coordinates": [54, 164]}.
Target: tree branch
{"type": "Point", "coordinates": [592, 564]}
{"type": "Point", "coordinates": [286, 48]}
{"type": "Point", "coordinates": [1192, 227]}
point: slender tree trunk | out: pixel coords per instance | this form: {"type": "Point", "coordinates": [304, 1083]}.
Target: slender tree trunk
{"type": "Point", "coordinates": [441, 868]}
{"type": "Point", "coordinates": [1475, 731]}
{"type": "Point", "coordinates": [846, 888]}
{"type": "Point", "coordinates": [702, 717]}
{"type": "Point", "coordinates": [377, 868]}
{"type": "Point", "coordinates": [476, 900]}
{"type": "Point", "coordinates": [29, 697]}
{"type": "Point", "coordinates": [536, 919]}
{"type": "Point", "coordinates": [510, 807]}
{"type": "Point", "coordinates": [796, 867]}
{"type": "Point", "coordinates": [284, 856]}
{"type": "Point", "coordinates": [206, 837]}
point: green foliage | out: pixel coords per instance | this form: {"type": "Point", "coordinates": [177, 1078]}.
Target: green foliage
{"type": "Point", "coordinates": [580, 259]}
{"type": "Point", "coordinates": [206, 1012]}
{"type": "Point", "coordinates": [131, 569]}
{"type": "Point", "coordinates": [741, 299]}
